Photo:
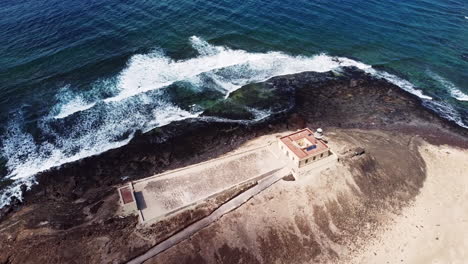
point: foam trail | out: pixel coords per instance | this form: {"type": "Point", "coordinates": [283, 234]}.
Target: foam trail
{"type": "Point", "coordinates": [403, 84]}
{"type": "Point", "coordinates": [453, 90]}
{"type": "Point", "coordinates": [107, 116]}
{"type": "Point", "coordinates": [72, 107]}
{"type": "Point", "coordinates": [229, 69]}
{"type": "Point", "coordinates": [167, 114]}
{"type": "Point", "coordinates": [232, 68]}
{"type": "Point", "coordinates": [15, 190]}
{"type": "Point", "coordinates": [27, 158]}
{"type": "Point", "coordinates": [68, 103]}
{"type": "Point", "coordinates": [446, 111]}
{"type": "Point", "coordinates": [95, 131]}
{"type": "Point", "coordinates": [149, 72]}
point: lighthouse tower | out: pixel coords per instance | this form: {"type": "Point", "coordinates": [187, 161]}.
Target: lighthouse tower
{"type": "Point", "coordinates": [318, 134]}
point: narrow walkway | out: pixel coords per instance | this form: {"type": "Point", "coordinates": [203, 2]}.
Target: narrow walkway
{"type": "Point", "coordinates": [218, 213]}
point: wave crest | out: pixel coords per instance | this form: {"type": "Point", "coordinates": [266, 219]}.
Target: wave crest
{"type": "Point", "coordinates": [454, 91]}
{"type": "Point", "coordinates": [137, 98]}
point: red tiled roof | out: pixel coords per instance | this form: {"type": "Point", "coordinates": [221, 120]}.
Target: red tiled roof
{"type": "Point", "coordinates": [302, 152]}
{"type": "Point", "coordinates": [126, 194]}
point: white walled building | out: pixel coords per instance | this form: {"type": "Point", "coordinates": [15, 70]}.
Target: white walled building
{"type": "Point", "coordinates": [303, 149]}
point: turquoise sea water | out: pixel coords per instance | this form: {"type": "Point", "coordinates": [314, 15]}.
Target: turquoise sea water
{"type": "Point", "coordinates": [80, 77]}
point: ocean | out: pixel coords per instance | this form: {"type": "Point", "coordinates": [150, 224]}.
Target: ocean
{"type": "Point", "coordinates": [78, 78]}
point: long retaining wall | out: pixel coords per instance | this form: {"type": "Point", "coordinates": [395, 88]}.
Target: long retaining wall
{"type": "Point", "coordinates": [162, 195]}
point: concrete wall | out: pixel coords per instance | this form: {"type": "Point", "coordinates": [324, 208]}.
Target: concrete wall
{"type": "Point", "coordinates": [314, 158]}
{"type": "Point", "coordinates": [288, 153]}
{"type": "Point", "coordinates": [313, 167]}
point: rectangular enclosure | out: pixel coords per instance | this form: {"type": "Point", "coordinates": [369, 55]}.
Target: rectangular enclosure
{"type": "Point", "coordinates": [165, 193]}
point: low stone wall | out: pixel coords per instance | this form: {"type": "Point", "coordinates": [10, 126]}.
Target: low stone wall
{"type": "Point", "coordinates": [163, 195]}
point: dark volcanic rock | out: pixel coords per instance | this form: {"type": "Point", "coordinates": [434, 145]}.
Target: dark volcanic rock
{"type": "Point", "coordinates": [77, 201]}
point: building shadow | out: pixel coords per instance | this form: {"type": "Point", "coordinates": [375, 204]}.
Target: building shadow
{"type": "Point", "coordinates": [140, 201]}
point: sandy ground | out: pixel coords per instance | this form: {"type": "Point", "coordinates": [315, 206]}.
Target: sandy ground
{"type": "Point", "coordinates": [325, 217]}
{"type": "Point", "coordinates": [271, 221]}
{"type": "Point", "coordinates": [434, 229]}
{"type": "Point", "coordinates": [330, 217]}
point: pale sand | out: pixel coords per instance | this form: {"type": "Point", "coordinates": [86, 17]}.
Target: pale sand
{"type": "Point", "coordinates": [310, 220]}
{"type": "Point", "coordinates": [434, 229]}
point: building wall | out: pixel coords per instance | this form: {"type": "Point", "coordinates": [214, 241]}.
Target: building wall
{"type": "Point", "coordinates": [313, 167]}
{"type": "Point", "coordinates": [288, 153]}
{"type": "Point", "coordinates": [301, 163]}
{"type": "Point", "coordinates": [314, 158]}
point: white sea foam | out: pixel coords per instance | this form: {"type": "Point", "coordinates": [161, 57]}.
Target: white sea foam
{"type": "Point", "coordinates": [15, 190]}
{"type": "Point", "coordinates": [168, 113]}
{"type": "Point", "coordinates": [75, 105]}
{"type": "Point", "coordinates": [137, 103]}
{"type": "Point", "coordinates": [99, 130]}
{"type": "Point", "coordinates": [402, 83]}
{"type": "Point", "coordinates": [229, 69]}
{"type": "Point", "coordinates": [452, 88]}
{"type": "Point", "coordinates": [260, 114]}
{"type": "Point", "coordinates": [68, 103]}
{"type": "Point", "coordinates": [446, 111]}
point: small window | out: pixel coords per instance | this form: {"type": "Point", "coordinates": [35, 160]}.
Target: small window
{"type": "Point", "coordinates": [321, 155]}
{"type": "Point", "coordinates": [287, 153]}
{"type": "Point", "coordinates": [307, 160]}
{"type": "Point", "coordinates": [314, 157]}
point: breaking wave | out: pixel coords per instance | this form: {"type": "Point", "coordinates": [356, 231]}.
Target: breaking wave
{"type": "Point", "coordinates": [452, 88]}
{"type": "Point", "coordinates": [69, 103]}
{"type": "Point", "coordinates": [106, 116]}
{"type": "Point", "coordinates": [446, 111]}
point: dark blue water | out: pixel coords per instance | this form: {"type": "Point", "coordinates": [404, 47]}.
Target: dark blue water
{"type": "Point", "coordinates": [80, 77]}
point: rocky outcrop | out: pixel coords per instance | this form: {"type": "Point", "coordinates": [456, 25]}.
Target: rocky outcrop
{"type": "Point", "coordinates": [70, 214]}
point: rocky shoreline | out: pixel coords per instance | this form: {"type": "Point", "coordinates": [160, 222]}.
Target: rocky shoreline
{"type": "Point", "coordinates": [70, 215]}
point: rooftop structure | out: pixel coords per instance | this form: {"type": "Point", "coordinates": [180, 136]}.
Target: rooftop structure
{"type": "Point", "coordinates": [127, 199]}
{"type": "Point", "coordinates": [304, 148]}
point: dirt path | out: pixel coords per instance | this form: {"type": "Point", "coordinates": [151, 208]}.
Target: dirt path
{"type": "Point", "coordinates": [222, 210]}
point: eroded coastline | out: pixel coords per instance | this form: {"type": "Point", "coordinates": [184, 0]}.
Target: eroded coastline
{"type": "Point", "coordinates": [75, 204]}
